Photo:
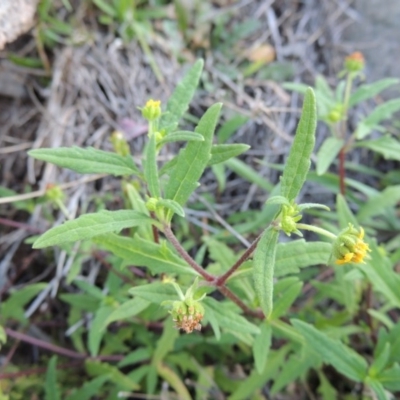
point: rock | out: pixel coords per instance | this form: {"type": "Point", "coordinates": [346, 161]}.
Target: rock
{"type": "Point", "coordinates": [16, 18]}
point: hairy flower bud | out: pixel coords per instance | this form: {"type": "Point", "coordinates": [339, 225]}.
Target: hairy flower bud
{"type": "Point", "coordinates": [152, 110]}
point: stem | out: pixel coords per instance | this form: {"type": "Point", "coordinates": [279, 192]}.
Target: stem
{"type": "Point", "coordinates": [174, 241]}
{"type": "Point", "coordinates": [223, 278]}
{"type": "Point", "coordinates": [230, 295]}
{"type": "Point", "coordinates": [342, 171]}
{"type": "Point", "coordinates": [316, 229]}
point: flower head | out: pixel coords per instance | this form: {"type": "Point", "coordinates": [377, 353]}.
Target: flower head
{"type": "Point", "coordinates": [350, 247]}
{"type": "Point", "coordinates": [187, 315]}
{"type": "Point", "coordinates": [152, 110]}
{"type": "Point", "coordinates": [355, 62]}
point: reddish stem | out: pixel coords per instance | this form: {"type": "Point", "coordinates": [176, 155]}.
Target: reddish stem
{"type": "Point", "coordinates": [342, 171]}
{"type": "Point", "coordinates": [57, 349]}
{"type": "Point", "coordinates": [175, 242]}
{"type": "Point", "coordinates": [223, 278]}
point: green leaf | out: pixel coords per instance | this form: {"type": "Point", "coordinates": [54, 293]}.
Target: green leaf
{"type": "Point", "coordinates": [387, 145]}
{"type": "Point", "coordinates": [166, 342]}
{"type": "Point", "coordinates": [380, 362]}
{"type": "Point", "coordinates": [158, 258]}
{"type": "Point", "coordinates": [248, 173]}
{"type": "Point", "coordinates": [3, 336]}
{"type": "Point", "coordinates": [230, 127]}
{"type": "Point", "coordinates": [89, 389]}
{"type": "Point", "coordinates": [263, 269]}
{"type": "Point", "coordinates": [90, 225]}
{"type": "Point", "coordinates": [380, 113]}
{"type": "Point", "coordinates": [178, 103]}
{"type": "Point", "coordinates": [87, 160]}
{"type": "Point", "coordinates": [127, 310]}
{"type": "Point", "coordinates": [261, 347]}
{"type": "Point", "coordinates": [377, 387]}
{"type": "Point", "coordinates": [51, 390]}
{"type": "Point", "coordinates": [328, 153]}
{"type": "Point", "coordinates": [136, 356]}
{"type": "Point", "coordinates": [382, 277]}
{"type": "Point", "coordinates": [223, 152]}
{"type": "Point", "coordinates": [172, 205]}
{"type": "Point", "coordinates": [278, 200]}
{"type": "Point", "coordinates": [298, 162]}
{"type": "Point", "coordinates": [366, 92]}
{"type": "Point", "coordinates": [344, 213]}
{"type": "Point", "coordinates": [97, 368]}
{"type": "Point", "coordinates": [390, 378]}
{"type": "Point", "coordinates": [174, 380]}
{"type": "Point", "coordinates": [193, 159]}
{"type": "Point", "coordinates": [376, 205]}
{"type": "Point", "coordinates": [181, 136]}
{"type": "Point", "coordinates": [342, 358]}
{"type": "Point", "coordinates": [156, 292]}
{"type": "Point", "coordinates": [227, 318]}
{"type": "Point", "coordinates": [150, 167]}
{"type": "Point", "coordinates": [97, 329]}
{"type": "Point", "coordinates": [287, 298]}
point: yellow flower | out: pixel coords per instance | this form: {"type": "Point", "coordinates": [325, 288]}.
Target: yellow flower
{"type": "Point", "coordinates": [350, 247]}
{"type": "Point", "coordinates": [152, 110]}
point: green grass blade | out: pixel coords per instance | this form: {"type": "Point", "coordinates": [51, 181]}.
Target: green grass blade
{"type": "Point", "coordinates": [298, 162]}
{"type": "Point", "coordinates": [51, 390]}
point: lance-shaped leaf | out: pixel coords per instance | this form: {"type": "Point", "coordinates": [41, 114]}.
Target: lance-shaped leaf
{"type": "Point", "coordinates": [261, 347]}
{"type": "Point", "coordinates": [150, 167]}
{"type": "Point", "coordinates": [156, 292]}
{"type": "Point", "coordinates": [298, 162]}
{"type": "Point", "coordinates": [386, 145]}
{"type": "Point", "coordinates": [178, 103]}
{"type": "Point", "coordinates": [366, 92]}
{"type": "Point", "coordinates": [89, 225]}
{"type": "Point", "coordinates": [327, 153]}
{"type": "Point", "coordinates": [87, 160]}
{"type": "Point", "coordinates": [342, 358]}
{"type": "Point", "coordinates": [144, 253]}
{"type": "Point", "coordinates": [263, 269]}
{"type": "Point", "coordinates": [52, 391]}
{"type": "Point", "coordinates": [223, 152]}
{"type": "Point", "coordinates": [193, 159]}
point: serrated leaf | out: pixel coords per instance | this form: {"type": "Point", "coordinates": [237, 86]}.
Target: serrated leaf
{"type": "Point", "coordinates": [179, 101]}
{"type": "Point", "coordinates": [298, 162]}
{"type": "Point", "coordinates": [387, 145]}
{"type": "Point", "coordinates": [97, 368]}
{"type": "Point", "coordinates": [223, 152]}
{"type": "Point", "coordinates": [181, 136]}
{"type": "Point", "coordinates": [150, 168]}
{"type": "Point", "coordinates": [229, 319]}
{"type": "Point", "coordinates": [366, 92]}
{"type": "Point", "coordinates": [89, 389]}
{"type": "Point", "coordinates": [144, 253]}
{"type": "Point", "coordinates": [263, 269]}
{"type": "Point", "coordinates": [127, 310]}
{"type": "Point", "coordinates": [380, 113]}
{"type": "Point", "coordinates": [156, 292]}
{"type": "Point", "coordinates": [328, 153]}
{"type": "Point", "coordinates": [87, 160]}
{"type": "Point", "coordinates": [51, 390]}
{"type": "Point", "coordinates": [193, 159]}
{"type": "Point", "coordinates": [172, 205]}
{"type": "Point", "coordinates": [332, 351]}
{"type": "Point", "coordinates": [90, 225]}
{"type": "Point", "coordinates": [376, 205]}
{"type": "Point", "coordinates": [248, 173]}
{"type": "Point", "coordinates": [261, 346]}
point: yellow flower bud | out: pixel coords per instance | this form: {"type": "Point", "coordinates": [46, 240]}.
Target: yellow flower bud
{"type": "Point", "coordinates": [355, 62]}
{"type": "Point", "coordinates": [152, 110]}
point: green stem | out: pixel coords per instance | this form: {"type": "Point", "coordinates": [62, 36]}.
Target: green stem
{"type": "Point", "coordinates": [316, 229]}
